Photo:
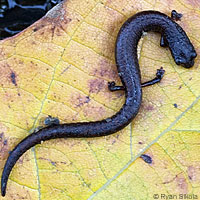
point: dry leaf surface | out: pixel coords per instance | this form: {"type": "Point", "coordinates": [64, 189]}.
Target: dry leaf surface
{"type": "Point", "coordinates": [60, 66]}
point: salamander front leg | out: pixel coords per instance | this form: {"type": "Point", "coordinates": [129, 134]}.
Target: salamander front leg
{"type": "Point", "coordinates": [159, 75]}
{"type": "Point", "coordinates": [112, 87]}
{"type": "Point", "coordinates": [157, 79]}
{"type": "Point", "coordinates": [49, 121]}
{"type": "Point", "coordinates": [176, 16]}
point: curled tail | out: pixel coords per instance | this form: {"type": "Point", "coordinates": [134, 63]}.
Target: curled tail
{"type": "Point", "coordinates": [71, 130]}
{"type": "Point", "coordinates": [14, 155]}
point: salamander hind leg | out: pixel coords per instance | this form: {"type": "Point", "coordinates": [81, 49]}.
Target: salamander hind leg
{"type": "Point", "coordinates": [112, 87]}
{"type": "Point", "coordinates": [51, 121]}
{"type": "Point", "coordinates": [157, 79]}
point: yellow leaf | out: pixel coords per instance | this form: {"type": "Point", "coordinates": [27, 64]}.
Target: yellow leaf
{"type": "Point", "coordinates": [60, 66]}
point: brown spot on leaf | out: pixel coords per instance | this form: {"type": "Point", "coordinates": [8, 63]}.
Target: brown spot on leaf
{"type": "Point", "coordinates": [193, 172]}
{"type": "Point", "coordinates": [13, 78]}
{"type": "Point", "coordinates": [108, 2]}
{"type": "Point", "coordinates": [1, 135]}
{"type": "Point", "coordinates": [2, 52]}
{"type": "Point", "coordinates": [94, 112]}
{"type": "Point", "coordinates": [42, 33]}
{"type": "Point", "coordinates": [5, 73]}
{"type": "Point", "coordinates": [22, 159]}
{"type": "Point", "coordinates": [21, 62]}
{"type": "Point", "coordinates": [49, 160]}
{"type": "Point", "coordinates": [38, 27]}
{"type": "Point", "coordinates": [58, 33]}
{"type": "Point", "coordinates": [96, 85]}
{"type": "Point", "coordinates": [3, 146]}
{"type": "Point", "coordinates": [113, 142]}
{"type": "Point", "coordinates": [194, 3]}
{"type": "Point", "coordinates": [106, 69]}
{"type": "Point", "coordinates": [148, 107]}
{"type": "Point", "coordinates": [117, 136]}
{"type": "Point", "coordinates": [57, 17]}
{"type": "Point", "coordinates": [65, 70]}
{"type": "Point", "coordinates": [5, 142]}
{"type": "Point", "coordinates": [181, 183]}
{"type": "Point", "coordinates": [33, 43]}
{"type": "Point", "coordinates": [53, 22]}
{"type": "Point", "coordinates": [79, 100]}
{"type": "Point", "coordinates": [63, 162]}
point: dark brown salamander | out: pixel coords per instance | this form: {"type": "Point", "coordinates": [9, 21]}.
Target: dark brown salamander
{"type": "Point", "coordinates": [130, 33]}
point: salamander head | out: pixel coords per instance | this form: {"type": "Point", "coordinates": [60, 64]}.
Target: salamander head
{"type": "Point", "coordinates": [184, 55]}
{"type": "Point", "coordinates": [182, 49]}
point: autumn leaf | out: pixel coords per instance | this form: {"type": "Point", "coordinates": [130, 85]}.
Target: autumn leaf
{"type": "Point", "coordinates": [60, 66]}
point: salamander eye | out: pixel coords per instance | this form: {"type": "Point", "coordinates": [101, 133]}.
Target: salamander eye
{"type": "Point", "coordinates": [193, 55]}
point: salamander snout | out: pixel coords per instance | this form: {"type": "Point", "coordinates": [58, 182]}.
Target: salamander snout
{"type": "Point", "coordinates": [186, 59]}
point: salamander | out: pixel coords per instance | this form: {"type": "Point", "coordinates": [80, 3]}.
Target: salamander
{"type": "Point", "coordinates": [172, 36]}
